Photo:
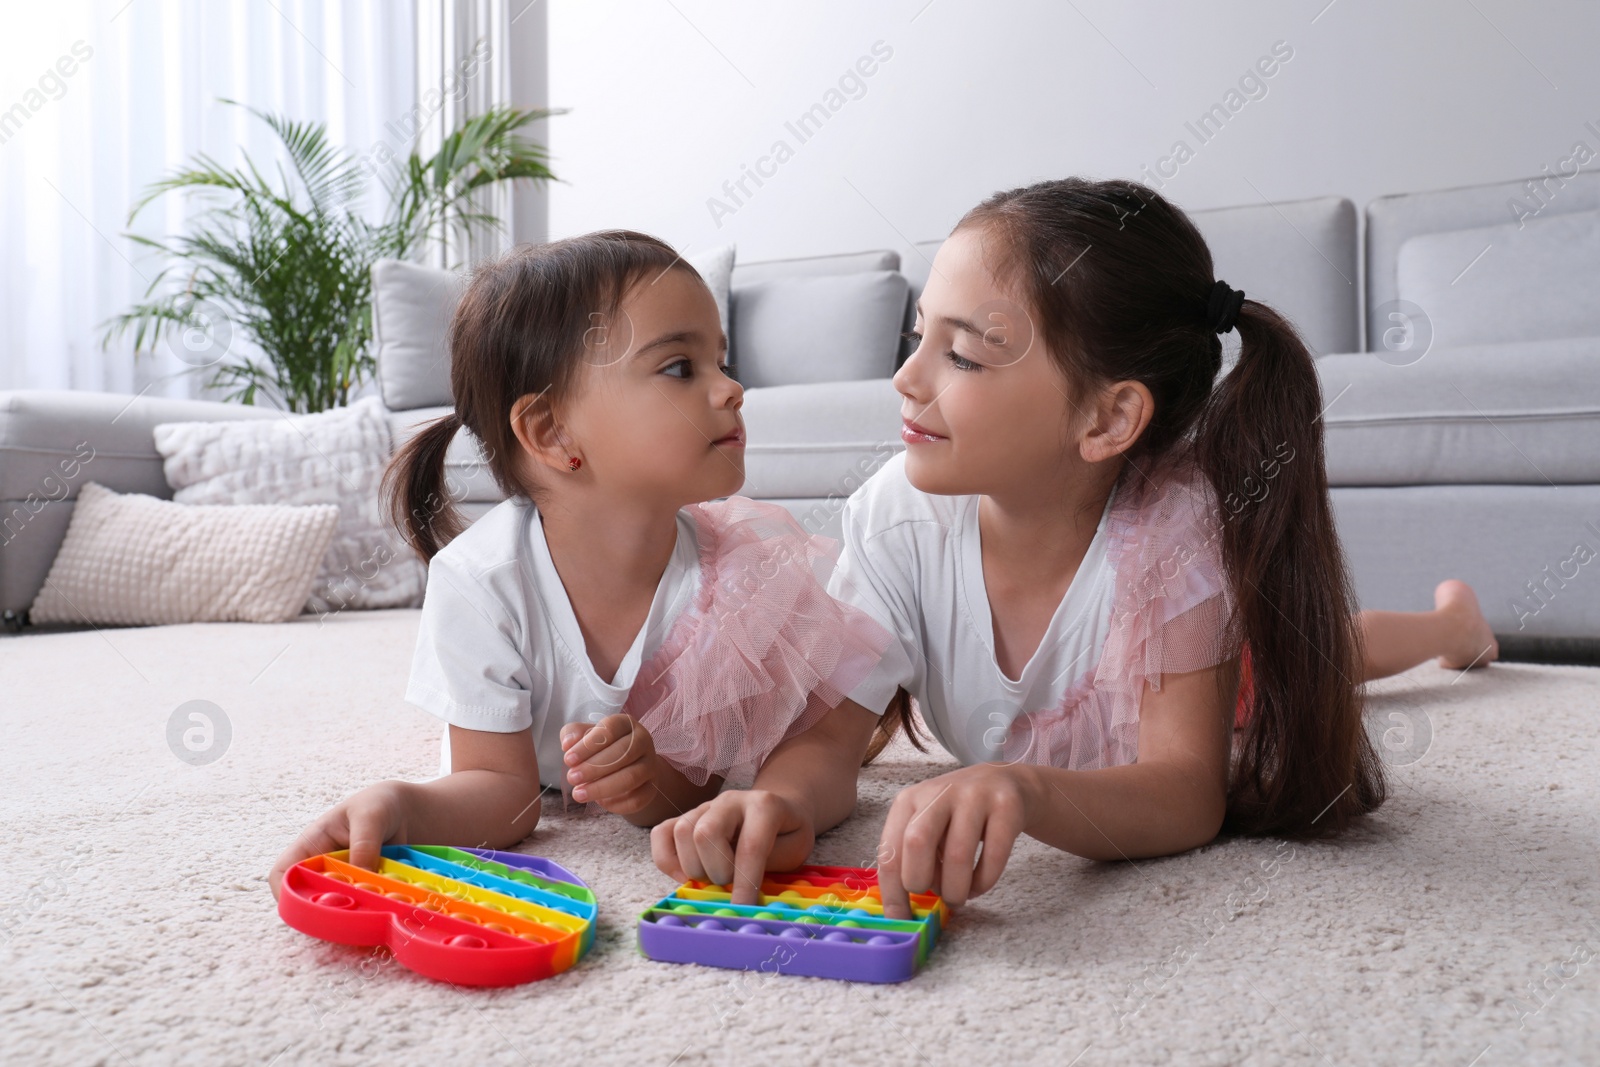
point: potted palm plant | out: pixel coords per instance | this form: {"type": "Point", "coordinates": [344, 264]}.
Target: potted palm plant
{"type": "Point", "coordinates": [288, 264]}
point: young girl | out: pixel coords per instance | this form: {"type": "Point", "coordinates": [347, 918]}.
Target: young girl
{"type": "Point", "coordinates": [1084, 546]}
{"type": "Point", "coordinates": [604, 626]}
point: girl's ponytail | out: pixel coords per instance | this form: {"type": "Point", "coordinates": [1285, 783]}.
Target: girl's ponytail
{"type": "Point", "coordinates": [1305, 765]}
{"type": "Point", "coordinates": [413, 489]}
{"type": "Point", "coordinates": [897, 718]}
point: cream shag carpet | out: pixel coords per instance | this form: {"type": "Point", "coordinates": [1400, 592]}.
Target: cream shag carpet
{"type": "Point", "coordinates": [1458, 926]}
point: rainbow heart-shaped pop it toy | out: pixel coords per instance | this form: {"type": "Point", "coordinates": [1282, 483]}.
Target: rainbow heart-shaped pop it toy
{"type": "Point", "coordinates": [464, 915]}
{"type": "Point", "coordinates": [826, 922]}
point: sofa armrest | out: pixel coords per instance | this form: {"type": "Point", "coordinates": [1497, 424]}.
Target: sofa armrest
{"type": "Point", "coordinates": [54, 440]}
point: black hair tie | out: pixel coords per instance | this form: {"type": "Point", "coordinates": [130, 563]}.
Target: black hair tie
{"type": "Point", "coordinates": [1222, 308]}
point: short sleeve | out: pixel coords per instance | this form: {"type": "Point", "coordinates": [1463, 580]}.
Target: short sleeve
{"type": "Point", "coordinates": [1174, 609]}
{"type": "Point", "coordinates": [1172, 613]}
{"type": "Point", "coordinates": [869, 577]}
{"type": "Point", "coordinates": [468, 668]}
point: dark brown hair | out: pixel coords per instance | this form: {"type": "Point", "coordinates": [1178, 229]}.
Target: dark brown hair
{"type": "Point", "coordinates": [897, 718]}
{"type": "Point", "coordinates": [1117, 279]}
{"type": "Point", "coordinates": [520, 328]}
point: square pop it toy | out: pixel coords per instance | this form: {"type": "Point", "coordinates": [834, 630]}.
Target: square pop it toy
{"type": "Point", "coordinates": [826, 922]}
{"type": "Point", "coordinates": [464, 915]}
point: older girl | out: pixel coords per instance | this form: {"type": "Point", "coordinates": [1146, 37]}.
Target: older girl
{"type": "Point", "coordinates": [1087, 543]}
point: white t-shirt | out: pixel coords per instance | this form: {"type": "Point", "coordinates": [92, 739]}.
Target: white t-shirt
{"type": "Point", "coordinates": [499, 647]}
{"type": "Point", "coordinates": [913, 561]}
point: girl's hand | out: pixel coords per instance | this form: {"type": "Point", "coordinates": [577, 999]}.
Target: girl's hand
{"type": "Point", "coordinates": [733, 839]}
{"type": "Point", "coordinates": [364, 823]}
{"type": "Point", "coordinates": [612, 762]}
{"type": "Point", "coordinates": [930, 839]}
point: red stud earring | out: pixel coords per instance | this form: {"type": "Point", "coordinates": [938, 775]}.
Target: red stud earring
{"type": "Point", "coordinates": [574, 463]}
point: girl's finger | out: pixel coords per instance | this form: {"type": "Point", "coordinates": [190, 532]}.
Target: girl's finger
{"type": "Point", "coordinates": [608, 761]}
{"type": "Point", "coordinates": [368, 831]}
{"type": "Point", "coordinates": [596, 738]}
{"type": "Point", "coordinates": [626, 746]}
{"type": "Point", "coordinates": [683, 840]}
{"type": "Point", "coordinates": [714, 835]}
{"type": "Point", "coordinates": [960, 854]}
{"type": "Point", "coordinates": [664, 851]}
{"type": "Point", "coordinates": [570, 732]}
{"type": "Point", "coordinates": [920, 842]}
{"type": "Point", "coordinates": [999, 835]}
{"type": "Point", "coordinates": [896, 903]}
{"type": "Point", "coordinates": [757, 837]}
{"type": "Point", "coordinates": [611, 787]}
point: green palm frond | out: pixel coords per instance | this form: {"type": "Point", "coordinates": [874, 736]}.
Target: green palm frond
{"type": "Point", "coordinates": [329, 175]}
{"type": "Point", "coordinates": [289, 261]}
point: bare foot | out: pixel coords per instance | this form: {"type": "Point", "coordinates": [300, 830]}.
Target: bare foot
{"type": "Point", "coordinates": [1476, 646]}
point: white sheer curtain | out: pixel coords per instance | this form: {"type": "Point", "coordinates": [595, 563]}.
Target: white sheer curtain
{"type": "Point", "coordinates": [99, 98]}
{"type": "Point", "coordinates": [503, 42]}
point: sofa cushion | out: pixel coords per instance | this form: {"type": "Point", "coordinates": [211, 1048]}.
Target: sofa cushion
{"type": "Point", "coordinates": [412, 306]}
{"type": "Point", "coordinates": [1299, 257]}
{"type": "Point", "coordinates": [1528, 281]}
{"type": "Point", "coordinates": [1519, 413]}
{"type": "Point", "coordinates": [411, 309]}
{"type": "Point", "coordinates": [1392, 220]}
{"type": "Point", "coordinates": [825, 328]}
{"type": "Point", "coordinates": [811, 266]}
{"type": "Point", "coordinates": [818, 439]}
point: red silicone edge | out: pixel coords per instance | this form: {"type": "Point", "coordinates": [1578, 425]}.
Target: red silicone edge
{"type": "Point", "coordinates": [415, 935]}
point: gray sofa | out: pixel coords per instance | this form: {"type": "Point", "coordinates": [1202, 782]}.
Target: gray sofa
{"type": "Point", "coordinates": [1462, 409]}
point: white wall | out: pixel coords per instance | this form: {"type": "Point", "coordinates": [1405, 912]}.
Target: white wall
{"type": "Point", "coordinates": [672, 98]}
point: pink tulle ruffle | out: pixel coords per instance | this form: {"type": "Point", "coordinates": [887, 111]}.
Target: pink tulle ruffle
{"type": "Point", "coordinates": [762, 653]}
{"type": "Point", "coordinates": [1172, 611]}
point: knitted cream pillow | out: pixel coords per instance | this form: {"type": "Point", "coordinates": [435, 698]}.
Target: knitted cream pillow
{"type": "Point", "coordinates": [133, 560]}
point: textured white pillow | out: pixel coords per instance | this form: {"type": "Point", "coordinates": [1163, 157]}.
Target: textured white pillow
{"type": "Point", "coordinates": [333, 457]}
{"type": "Point", "coordinates": [134, 560]}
